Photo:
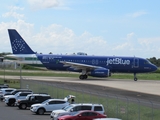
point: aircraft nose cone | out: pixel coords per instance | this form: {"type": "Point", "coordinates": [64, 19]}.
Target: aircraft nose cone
{"type": "Point", "coordinates": [154, 68]}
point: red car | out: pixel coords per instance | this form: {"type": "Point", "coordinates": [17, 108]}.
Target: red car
{"type": "Point", "coordinates": [83, 115]}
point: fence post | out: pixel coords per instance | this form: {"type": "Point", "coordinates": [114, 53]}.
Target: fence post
{"type": "Point", "coordinates": [152, 109]}
{"type": "Point", "coordinates": [117, 105]}
{"type": "Point", "coordinates": [106, 105]}
{"type": "Point", "coordinates": [139, 109]}
{"type": "Point", "coordinates": [127, 107]}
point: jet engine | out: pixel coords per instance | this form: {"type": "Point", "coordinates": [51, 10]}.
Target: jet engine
{"type": "Point", "coordinates": [100, 72]}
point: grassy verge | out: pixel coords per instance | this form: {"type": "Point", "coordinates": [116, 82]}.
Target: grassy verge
{"type": "Point", "coordinates": [145, 76]}
{"type": "Point", "coordinates": [12, 83]}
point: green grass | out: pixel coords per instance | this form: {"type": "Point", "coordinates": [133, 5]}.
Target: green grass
{"type": "Point", "coordinates": [12, 83]}
{"type": "Point", "coordinates": [144, 76]}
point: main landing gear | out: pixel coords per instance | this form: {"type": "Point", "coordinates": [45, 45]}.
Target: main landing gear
{"type": "Point", "coordinates": [135, 78]}
{"type": "Point", "coordinates": [82, 77]}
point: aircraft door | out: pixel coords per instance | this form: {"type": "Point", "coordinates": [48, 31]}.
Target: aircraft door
{"type": "Point", "coordinates": [136, 63]}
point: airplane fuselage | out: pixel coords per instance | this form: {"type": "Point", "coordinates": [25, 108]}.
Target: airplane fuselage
{"type": "Point", "coordinates": [113, 63]}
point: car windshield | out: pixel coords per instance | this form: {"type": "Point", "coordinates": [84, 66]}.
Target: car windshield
{"type": "Point", "coordinates": [68, 107]}
{"type": "Point", "coordinates": [46, 101]}
{"type": "Point", "coordinates": [17, 94]}
{"type": "Point", "coordinates": [27, 97]}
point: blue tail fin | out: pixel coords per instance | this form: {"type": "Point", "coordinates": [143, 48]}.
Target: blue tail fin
{"type": "Point", "coordinates": [19, 46]}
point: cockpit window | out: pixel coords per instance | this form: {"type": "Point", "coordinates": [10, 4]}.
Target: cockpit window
{"type": "Point", "coordinates": [147, 62]}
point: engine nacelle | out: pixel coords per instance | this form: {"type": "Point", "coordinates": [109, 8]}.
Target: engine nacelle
{"type": "Point", "coordinates": [101, 72]}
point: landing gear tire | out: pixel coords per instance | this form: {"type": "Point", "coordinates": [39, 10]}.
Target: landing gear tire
{"type": "Point", "coordinates": [135, 79]}
{"type": "Point", "coordinates": [82, 77]}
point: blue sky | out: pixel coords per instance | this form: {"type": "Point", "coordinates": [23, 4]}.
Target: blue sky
{"type": "Point", "coordinates": [97, 27]}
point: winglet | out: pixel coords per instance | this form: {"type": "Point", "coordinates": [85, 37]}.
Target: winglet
{"type": "Point", "coordinates": [19, 46]}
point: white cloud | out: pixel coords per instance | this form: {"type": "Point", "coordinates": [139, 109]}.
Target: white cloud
{"type": "Point", "coordinates": [14, 8]}
{"type": "Point", "coordinates": [130, 35]}
{"type": "Point", "coordinates": [42, 4]}
{"type": "Point", "coordinates": [137, 14]}
{"type": "Point", "coordinates": [12, 12]}
{"type": "Point", "coordinates": [122, 46]}
{"type": "Point", "coordinates": [58, 39]}
{"type": "Point", "coordinates": [150, 44]}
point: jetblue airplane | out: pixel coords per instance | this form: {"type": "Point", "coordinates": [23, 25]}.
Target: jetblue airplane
{"type": "Point", "coordinates": [96, 66]}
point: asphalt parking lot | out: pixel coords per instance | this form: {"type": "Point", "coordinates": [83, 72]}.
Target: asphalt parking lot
{"type": "Point", "coordinates": [14, 113]}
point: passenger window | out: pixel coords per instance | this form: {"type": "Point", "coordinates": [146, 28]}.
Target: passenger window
{"type": "Point", "coordinates": [52, 102]}
{"type": "Point", "coordinates": [92, 114]}
{"type": "Point", "coordinates": [84, 114]}
{"type": "Point", "coordinates": [77, 108]}
{"type": "Point", "coordinates": [86, 108]}
{"type": "Point", "coordinates": [97, 108]}
{"type": "Point", "coordinates": [9, 90]}
{"type": "Point", "coordinates": [60, 102]}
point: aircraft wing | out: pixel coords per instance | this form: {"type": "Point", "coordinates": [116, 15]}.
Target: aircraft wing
{"type": "Point", "coordinates": [79, 66]}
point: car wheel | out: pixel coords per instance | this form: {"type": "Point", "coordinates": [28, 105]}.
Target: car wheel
{"type": "Point", "coordinates": [8, 104]}
{"type": "Point", "coordinates": [12, 101]}
{"type": "Point", "coordinates": [41, 111]}
{"type": "Point", "coordinates": [23, 106]}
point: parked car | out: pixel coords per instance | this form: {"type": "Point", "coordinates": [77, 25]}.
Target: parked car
{"type": "Point", "coordinates": [4, 91]}
{"type": "Point", "coordinates": [3, 86]}
{"type": "Point", "coordinates": [83, 115]}
{"type": "Point", "coordinates": [74, 108]}
{"type": "Point", "coordinates": [32, 99]}
{"type": "Point", "coordinates": [17, 90]}
{"type": "Point", "coordinates": [48, 106]}
{"type": "Point", "coordinates": [11, 99]}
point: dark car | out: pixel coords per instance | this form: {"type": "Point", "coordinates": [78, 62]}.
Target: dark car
{"type": "Point", "coordinates": [83, 115]}
{"type": "Point", "coordinates": [32, 99]}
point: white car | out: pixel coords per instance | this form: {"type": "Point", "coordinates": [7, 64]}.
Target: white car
{"type": "Point", "coordinates": [4, 91]}
{"type": "Point", "coordinates": [74, 108]}
{"type": "Point", "coordinates": [11, 99]}
{"type": "Point", "coordinates": [48, 106]}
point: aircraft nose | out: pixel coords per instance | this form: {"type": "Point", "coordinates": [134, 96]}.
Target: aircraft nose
{"type": "Point", "coordinates": [154, 68]}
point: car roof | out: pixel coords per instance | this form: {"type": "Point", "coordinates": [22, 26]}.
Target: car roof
{"type": "Point", "coordinates": [56, 100]}
{"type": "Point", "coordinates": [38, 94]}
{"type": "Point", "coordinates": [8, 89]}
{"type": "Point", "coordinates": [24, 92]}
{"type": "Point", "coordinates": [87, 111]}
{"type": "Point", "coordinates": [91, 104]}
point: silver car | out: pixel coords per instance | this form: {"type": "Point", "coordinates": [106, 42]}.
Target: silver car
{"type": "Point", "coordinates": [4, 91]}
{"type": "Point", "coordinates": [48, 106]}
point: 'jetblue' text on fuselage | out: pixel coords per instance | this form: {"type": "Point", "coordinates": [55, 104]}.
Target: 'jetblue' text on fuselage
{"type": "Point", "coordinates": [117, 61]}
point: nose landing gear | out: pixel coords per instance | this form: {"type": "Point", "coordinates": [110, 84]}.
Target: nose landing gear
{"type": "Point", "coordinates": [135, 78]}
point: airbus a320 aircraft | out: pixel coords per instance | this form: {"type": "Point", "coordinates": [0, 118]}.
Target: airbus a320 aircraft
{"type": "Point", "coordinates": [96, 66]}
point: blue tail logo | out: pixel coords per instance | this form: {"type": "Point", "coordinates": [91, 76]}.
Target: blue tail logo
{"type": "Point", "coordinates": [19, 46]}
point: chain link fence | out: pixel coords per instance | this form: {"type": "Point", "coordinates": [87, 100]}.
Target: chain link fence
{"type": "Point", "coordinates": [115, 106]}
